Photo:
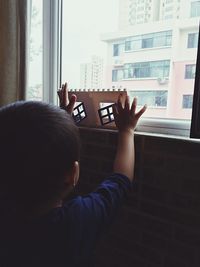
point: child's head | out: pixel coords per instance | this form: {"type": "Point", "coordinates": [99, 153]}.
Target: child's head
{"type": "Point", "coordinates": [39, 151]}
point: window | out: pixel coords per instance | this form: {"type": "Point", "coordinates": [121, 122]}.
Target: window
{"type": "Point", "coordinates": [192, 40]}
{"type": "Point", "coordinates": [116, 50]}
{"type": "Point", "coordinates": [157, 39]}
{"type": "Point", "coordinates": [155, 69]}
{"type": "Point", "coordinates": [195, 9]}
{"type": "Point", "coordinates": [127, 45]}
{"type": "Point", "coordinates": [190, 71]}
{"type": "Point", "coordinates": [45, 51]}
{"type": "Point", "coordinates": [117, 75]}
{"type": "Point", "coordinates": [143, 57]}
{"type": "Point", "coordinates": [147, 41]}
{"type": "Point", "coordinates": [151, 98]}
{"type": "Point", "coordinates": [187, 101]}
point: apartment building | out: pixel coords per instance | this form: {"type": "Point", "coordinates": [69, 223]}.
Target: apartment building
{"type": "Point", "coordinates": [153, 55]}
{"type": "Point", "coordinates": [91, 74]}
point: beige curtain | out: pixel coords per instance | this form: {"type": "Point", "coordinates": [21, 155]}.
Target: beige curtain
{"type": "Point", "coordinates": [13, 50]}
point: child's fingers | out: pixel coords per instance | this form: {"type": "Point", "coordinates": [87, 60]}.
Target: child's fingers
{"type": "Point", "coordinates": [115, 111]}
{"type": "Point", "coordinates": [133, 106]}
{"type": "Point", "coordinates": [59, 92]}
{"type": "Point", "coordinates": [70, 106]}
{"type": "Point", "coordinates": [127, 103]}
{"type": "Point", "coordinates": [119, 103]}
{"type": "Point", "coordinates": [139, 114]}
{"type": "Point", "coordinates": [65, 94]}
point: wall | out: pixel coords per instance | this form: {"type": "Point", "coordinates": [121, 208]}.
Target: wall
{"type": "Point", "coordinates": [159, 224]}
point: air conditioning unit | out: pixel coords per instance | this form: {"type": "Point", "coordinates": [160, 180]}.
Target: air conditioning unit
{"type": "Point", "coordinates": [162, 80]}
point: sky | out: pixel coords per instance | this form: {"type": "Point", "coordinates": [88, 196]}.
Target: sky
{"type": "Point", "coordinates": [83, 23]}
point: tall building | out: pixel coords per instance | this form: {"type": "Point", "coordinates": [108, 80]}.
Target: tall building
{"type": "Point", "coordinates": [153, 54]}
{"type": "Point", "coordinates": [137, 11]}
{"type": "Point", "coordinates": [92, 74]}
{"type": "Point", "coordinates": [134, 12]}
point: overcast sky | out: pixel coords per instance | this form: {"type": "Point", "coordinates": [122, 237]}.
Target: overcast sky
{"type": "Point", "coordinates": [83, 23]}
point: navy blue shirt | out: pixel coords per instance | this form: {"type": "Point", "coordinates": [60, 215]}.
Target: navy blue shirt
{"type": "Point", "coordinates": [67, 235]}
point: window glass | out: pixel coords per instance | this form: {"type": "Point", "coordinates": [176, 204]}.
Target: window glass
{"type": "Point", "coordinates": [116, 50]}
{"type": "Point", "coordinates": [151, 98]}
{"type": "Point", "coordinates": [190, 71]}
{"type": "Point", "coordinates": [157, 39]}
{"type": "Point", "coordinates": [195, 9]}
{"type": "Point", "coordinates": [137, 49]}
{"type": "Point", "coordinates": [35, 83]}
{"type": "Point", "coordinates": [117, 75]}
{"type": "Point", "coordinates": [187, 101]}
{"type": "Point", "coordinates": [192, 40]}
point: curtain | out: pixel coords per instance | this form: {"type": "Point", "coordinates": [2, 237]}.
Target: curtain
{"type": "Point", "coordinates": [13, 50]}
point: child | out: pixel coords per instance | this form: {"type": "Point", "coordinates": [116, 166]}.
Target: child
{"type": "Point", "coordinates": [39, 157]}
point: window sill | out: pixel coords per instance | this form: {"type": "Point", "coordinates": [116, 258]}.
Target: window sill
{"type": "Point", "coordinates": [140, 133]}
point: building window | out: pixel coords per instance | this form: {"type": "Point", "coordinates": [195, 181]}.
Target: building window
{"type": "Point", "coordinates": [154, 69]}
{"type": "Point", "coordinates": [116, 50]}
{"type": "Point", "coordinates": [190, 71]}
{"type": "Point", "coordinates": [157, 39]}
{"type": "Point", "coordinates": [187, 101]}
{"type": "Point", "coordinates": [117, 75]}
{"type": "Point", "coordinates": [151, 98]}
{"type": "Point", "coordinates": [147, 41]}
{"type": "Point", "coordinates": [192, 40]}
{"type": "Point", "coordinates": [195, 9]}
{"type": "Point", "coordinates": [127, 45]}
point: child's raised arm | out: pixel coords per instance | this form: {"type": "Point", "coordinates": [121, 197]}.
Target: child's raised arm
{"type": "Point", "coordinates": [126, 120]}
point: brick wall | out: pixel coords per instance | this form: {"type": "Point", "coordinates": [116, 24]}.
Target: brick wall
{"type": "Point", "coordinates": [159, 224]}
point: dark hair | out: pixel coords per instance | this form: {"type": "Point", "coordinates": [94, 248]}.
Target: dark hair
{"type": "Point", "coordinates": [38, 146]}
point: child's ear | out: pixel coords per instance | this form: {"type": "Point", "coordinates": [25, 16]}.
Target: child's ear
{"type": "Point", "coordinates": [73, 175]}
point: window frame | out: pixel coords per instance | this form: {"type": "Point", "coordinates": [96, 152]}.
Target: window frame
{"type": "Point", "coordinates": [52, 49]}
{"type": "Point", "coordinates": [195, 121]}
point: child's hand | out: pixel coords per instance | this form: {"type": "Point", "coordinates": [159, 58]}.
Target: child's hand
{"type": "Point", "coordinates": [65, 103]}
{"type": "Point", "coordinates": [125, 117]}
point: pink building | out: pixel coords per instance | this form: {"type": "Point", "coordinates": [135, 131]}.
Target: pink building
{"type": "Point", "coordinates": [155, 61]}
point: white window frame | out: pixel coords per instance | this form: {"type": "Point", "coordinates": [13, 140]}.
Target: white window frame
{"type": "Point", "coordinates": [51, 49]}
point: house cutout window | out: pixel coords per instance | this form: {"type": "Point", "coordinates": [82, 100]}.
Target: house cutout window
{"type": "Point", "coordinates": [79, 112]}
{"type": "Point", "coordinates": [106, 113]}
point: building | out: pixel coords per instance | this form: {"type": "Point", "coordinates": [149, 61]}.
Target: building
{"type": "Point", "coordinates": [154, 58]}
{"type": "Point", "coordinates": [92, 74]}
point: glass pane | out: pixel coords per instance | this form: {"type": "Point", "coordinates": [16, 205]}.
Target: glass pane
{"type": "Point", "coordinates": [149, 51]}
{"type": "Point", "coordinates": [35, 83]}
